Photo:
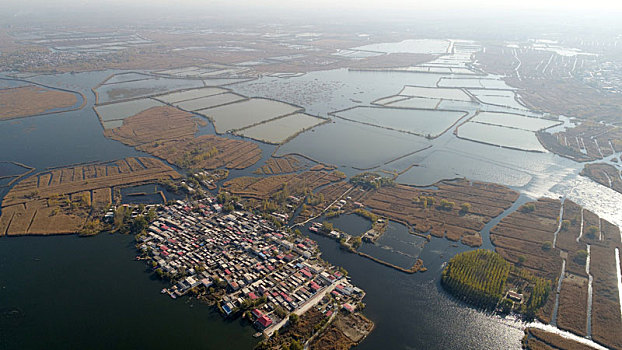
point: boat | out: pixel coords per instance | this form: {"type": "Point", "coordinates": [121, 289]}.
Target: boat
{"type": "Point", "coordinates": [163, 291]}
{"type": "Point", "coordinates": [257, 335]}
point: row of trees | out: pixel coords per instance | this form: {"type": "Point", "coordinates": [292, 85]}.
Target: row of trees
{"type": "Point", "coordinates": [444, 204]}
{"type": "Point", "coordinates": [539, 295]}
{"type": "Point", "coordinates": [478, 277]}
{"type": "Point", "coordinates": [195, 156]}
{"type": "Point", "coordinates": [366, 214]}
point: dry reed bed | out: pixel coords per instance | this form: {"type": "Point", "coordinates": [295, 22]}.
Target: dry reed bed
{"type": "Point", "coordinates": [61, 200]}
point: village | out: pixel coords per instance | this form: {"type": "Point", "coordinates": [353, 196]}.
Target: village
{"type": "Point", "coordinates": [268, 275]}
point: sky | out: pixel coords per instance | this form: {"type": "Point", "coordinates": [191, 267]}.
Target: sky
{"type": "Point", "coordinates": [526, 13]}
{"type": "Point", "coordinates": [411, 5]}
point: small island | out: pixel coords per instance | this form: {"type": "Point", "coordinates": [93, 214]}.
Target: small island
{"type": "Point", "coordinates": [483, 278]}
{"type": "Point", "coordinates": [29, 100]}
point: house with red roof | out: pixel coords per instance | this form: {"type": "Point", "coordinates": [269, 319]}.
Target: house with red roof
{"type": "Point", "coordinates": [264, 321]}
{"type": "Point", "coordinates": [257, 313]}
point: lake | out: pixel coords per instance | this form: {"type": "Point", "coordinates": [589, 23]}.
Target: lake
{"type": "Point", "coordinates": [428, 123]}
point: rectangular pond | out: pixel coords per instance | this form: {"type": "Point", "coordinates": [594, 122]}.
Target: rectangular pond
{"type": "Point", "coordinates": [514, 121]}
{"type": "Point", "coordinates": [501, 136]}
{"type": "Point", "coordinates": [353, 144]}
{"type": "Point", "coordinates": [388, 100]}
{"type": "Point", "coordinates": [352, 224]}
{"type": "Point", "coordinates": [396, 246]}
{"type": "Point", "coordinates": [189, 94]}
{"type": "Point", "coordinates": [142, 88]}
{"type": "Point", "coordinates": [246, 113]}
{"type": "Point", "coordinates": [428, 123]}
{"type": "Point", "coordinates": [122, 110]}
{"type": "Point", "coordinates": [125, 77]}
{"type": "Point", "coordinates": [474, 83]}
{"type": "Point", "coordinates": [432, 92]}
{"type": "Point", "coordinates": [443, 164]}
{"type": "Point", "coordinates": [147, 194]}
{"type": "Point", "coordinates": [279, 130]}
{"type": "Point", "coordinates": [224, 81]}
{"type": "Point", "coordinates": [209, 101]}
{"type": "Point", "coordinates": [416, 102]}
{"type": "Point", "coordinates": [506, 98]}
{"type": "Point", "coordinates": [177, 70]}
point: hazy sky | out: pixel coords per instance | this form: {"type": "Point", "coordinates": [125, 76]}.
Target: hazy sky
{"type": "Point", "coordinates": [561, 5]}
{"type": "Point", "coordinates": [475, 14]}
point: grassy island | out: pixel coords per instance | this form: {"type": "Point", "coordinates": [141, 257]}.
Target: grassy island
{"type": "Point", "coordinates": [479, 277]}
{"type": "Point", "coordinates": [32, 100]}
{"type": "Point", "coordinates": [483, 278]}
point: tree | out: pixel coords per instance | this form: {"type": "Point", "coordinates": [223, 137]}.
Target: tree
{"type": "Point", "coordinates": [366, 214]}
{"type": "Point", "coordinates": [447, 205]}
{"type": "Point", "coordinates": [220, 283]}
{"type": "Point", "coordinates": [547, 245]}
{"type": "Point", "coordinates": [121, 215]}
{"type": "Point", "coordinates": [528, 208]}
{"type": "Point", "coordinates": [151, 215]}
{"type": "Point", "coordinates": [356, 242]}
{"type": "Point", "coordinates": [92, 227]}
{"type": "Point", "coordinates": [565, 225]}
{"type": "Point", "coordinates": [465, 208]}
{"type": "Point", "coordinates": [478, 277]}
{"type": "Point", "coordinates": [227, 208]}
{"type": "Point", "coordinates": [85, 200]}
{"type": "Point", "coordinates": [138, 225]}
{"type": "Point", "coordinates": [506, 306]}
{"type": "Point", "coordinates": [327, 227]}
{"type": "Point", "coordinates": [295, 345]}
{"type": "Point", "coordinates": [581, 257]}
{"type": "Point", "coordinates": [592, 231]}
{"type": "Point", "coordinates": [293, 318]}
{"type": "Point", "coordinates": [521, 259]}
{"type": "Point", "coordinates": [332, 213]}
{"type": "Point", "coordinates": [428, 202]}
{"type": "Point", "coordinates": [280, 311]}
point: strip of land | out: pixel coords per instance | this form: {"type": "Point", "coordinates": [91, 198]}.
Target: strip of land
{"type": "Point", "coordinates": [535, 239]}
{"type": "Point", "coordinates": [31, 100]}
{"type": "Point", "coordinates": [456, 210]}
{"type": "Point", "coordinates": [282, 165]}
{"type": "Point", "coordinates": [605, 174]}
{"type": "Point", "coordinates": [586, 142]}
{"type": "Point", "coordinates": [274, 193]}
{"type": "Point", "coordinates": [61, 200]}
{"type": "Point", "coordinates": [168, 133]}
{"type": "Point", "coordinates": [537, 339]}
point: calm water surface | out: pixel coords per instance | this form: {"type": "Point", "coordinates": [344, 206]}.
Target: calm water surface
{"type": "Point", "coordinates": [68, 292]}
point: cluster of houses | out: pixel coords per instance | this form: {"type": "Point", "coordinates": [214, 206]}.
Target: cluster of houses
{"type": "Point", "coordinates": [264, 270]}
